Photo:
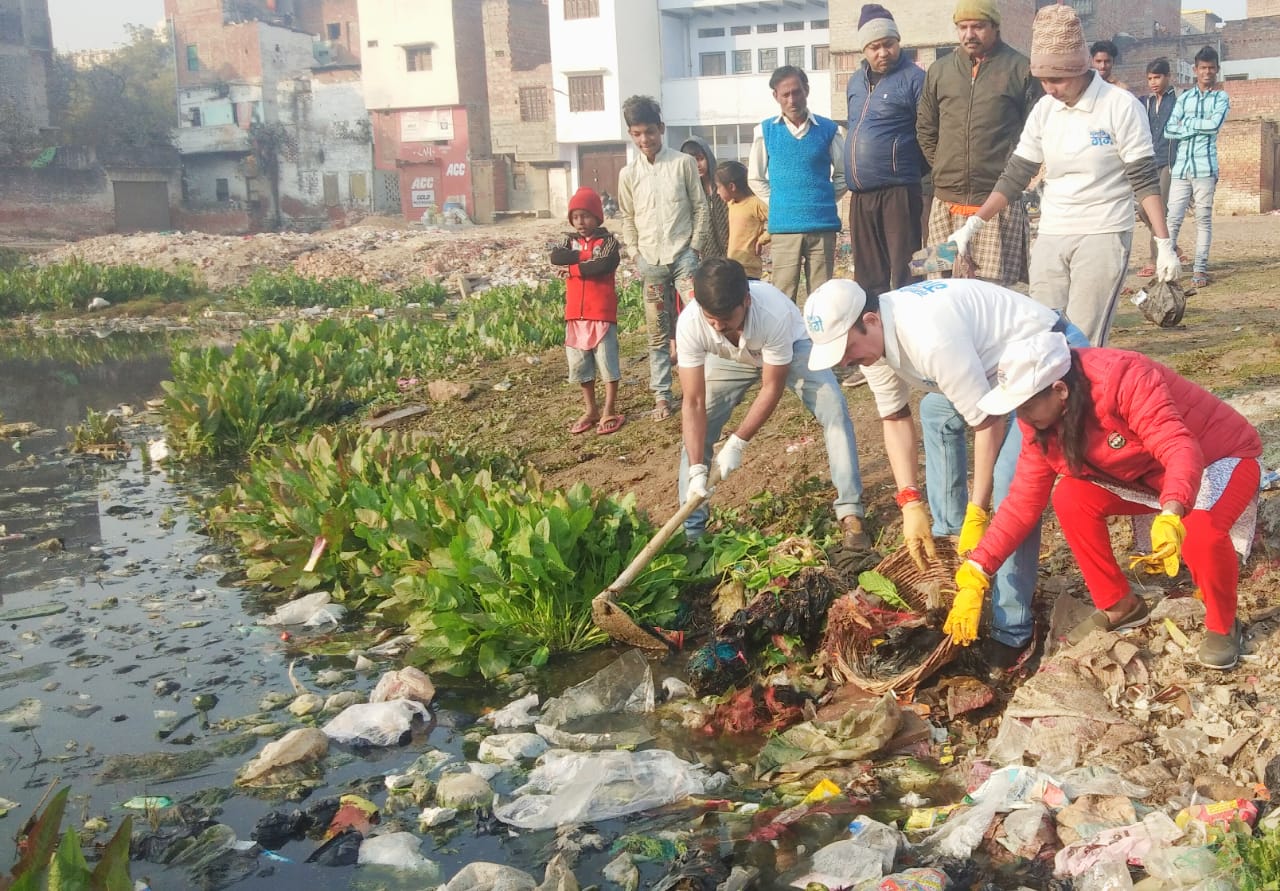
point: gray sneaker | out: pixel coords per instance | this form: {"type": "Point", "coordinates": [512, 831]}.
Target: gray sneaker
{"type": "Point", "coordinates": [1221, 651]}
{"type": "Point", "coordinates": [1098, 621]}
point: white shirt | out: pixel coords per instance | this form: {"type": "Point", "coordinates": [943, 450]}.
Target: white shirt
{"type": "Point", "coordinates": [663, 205]}
{"type": "Point", "coordinates": [758, 159]}
{"type": "Point", "coordinates": [772, 327]}
{"type": "Point", "coordinates": [1084, 149]}
{"type": "Point", "coordinates": [947, 336]}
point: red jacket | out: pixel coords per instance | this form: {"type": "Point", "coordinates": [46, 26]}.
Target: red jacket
{"type": "Point", "coordinates": [589, 291]}
{"type": "Point", "coordinates": [1150, 429]}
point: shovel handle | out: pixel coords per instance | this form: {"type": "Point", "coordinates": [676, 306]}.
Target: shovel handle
{"type": "Point", "coordinates": [659, 540]}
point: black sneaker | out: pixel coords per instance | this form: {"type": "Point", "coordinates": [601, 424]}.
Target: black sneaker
{"type": "Point", "coordinates": [1221, 651]}
{"type": "Point", "coordinates": [1007, 657]}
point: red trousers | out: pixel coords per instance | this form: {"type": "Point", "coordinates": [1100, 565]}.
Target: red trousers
{"type": "Point", "coordinates": [1083, 507]}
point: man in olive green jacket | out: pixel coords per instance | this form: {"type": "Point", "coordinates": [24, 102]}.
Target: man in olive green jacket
{"type": "Point", "coordinates": [970, 116]}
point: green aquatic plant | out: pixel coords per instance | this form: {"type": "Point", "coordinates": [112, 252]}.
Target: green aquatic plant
{"type": "Point", "coordinates": [467, 549]}
{"type": "Point", "coordinates": [97, 429]}
{"type": "Point", "coordinates": [50, 862]}
{"type": "Point", "coordinates": [73, 284]}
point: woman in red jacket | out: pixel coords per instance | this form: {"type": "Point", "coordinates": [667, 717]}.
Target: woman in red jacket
{"type": "Point", "coordinates": [1128, 436]}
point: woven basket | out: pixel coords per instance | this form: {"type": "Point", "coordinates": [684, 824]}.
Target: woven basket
{"type": "Point", "coordinates": [846, 648]}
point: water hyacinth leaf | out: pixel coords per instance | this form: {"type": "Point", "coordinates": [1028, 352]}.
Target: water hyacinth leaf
{"type": "Point", "coordinates": [883, 587]}
{"type": "Point", "coordinates": [69, 871]}
{"type": "Point", "coordinates": [41, 833]}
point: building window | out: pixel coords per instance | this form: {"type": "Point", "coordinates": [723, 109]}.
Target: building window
{"type": "Point", "coordinates": [195, 117]}
{"type": "Point", "coordinates": [795, 56]}
{"type": "Point", "coordinates": [193, 57]}
{"type": "Point", "coordinates": [821, 57]}
{"type": "Point", "coordinates": [372, 44]}
{"type": "Point", "coordinates": [533, 103]}
{"type": "Point", "coordinates": [711, 32]}
{"type": "Point", "coordinates": [793, 26]}
{"type": "Point", "coordinates": [910, 54]}
{"type": "Point", "coordinates": [334, 30]}
{"type": "Point", "coordinates": [1236, 77]}
{"type": "Point", "coordinates": [942, 52]}
{"type": "Point", "coordinates": [222, 189]}
{"type": "Point", "coordinates": [582, 9]}
{"type": "Point", "coordinates": [768, 59]}
{"type": "Point", "coordinates": [586, 92]}
{"type": "Point", "coordinates": [767, 29]}
{"type": "Point", "coordinates": [739, 30]}
{"type": "Point", "coordinates": [417, 58]}
{"type": "Point", "coordinates": [742, 61]}
{"type": "Point", "coordinates": [711, 64]}
{"type": "Point", "coordinates": [820, 24]}
{"type": "Point", "coordinates": [848, 61]}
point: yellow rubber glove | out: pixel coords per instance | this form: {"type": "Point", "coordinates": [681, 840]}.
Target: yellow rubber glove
{"type": "Point", "coordinates": [972, 585]}
{"type": "Point", "coordinates": [917, 534]}
{"type": "Point", "coordinates": [975, 526]}
{"type": "Point", "coordinates": [1167, 535]}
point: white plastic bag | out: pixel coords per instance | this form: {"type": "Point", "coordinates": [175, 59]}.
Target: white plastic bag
{"type": "Point", "coordinates": [375, 723]}
{"type": "Point", "coordinates": [312, 610]}
{"type": "Point", "coordinates": [513, 715]}
{"type": "Point", "coordinates": [297, 747]}
{"type": "Point", "coordinates": [581, 787]}
{"type": "Point", "coordinates": [407, 683]}
{"type": "Point", "coordinates": [624, 686]}
{"type": "Point", "coordinates": [964, 829]}
{"type": "Point", "coordinates": [399, 850]}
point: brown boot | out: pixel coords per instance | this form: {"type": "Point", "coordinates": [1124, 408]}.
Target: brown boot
{"type": "Point", "coordinates": [855, 537]}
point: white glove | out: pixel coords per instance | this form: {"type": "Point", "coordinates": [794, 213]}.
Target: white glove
{"type": "Point", "coordinates": [1167, 266]}
{"type": "Point", "coordinates": [697, 489]}
{"type": "Point", "coordinates": [965, 234]}
{"type": "Point", "coordinates": [730, 457]}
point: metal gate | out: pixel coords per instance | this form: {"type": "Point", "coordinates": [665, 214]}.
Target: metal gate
{"type": "Point", "coordinates": [141, 206]}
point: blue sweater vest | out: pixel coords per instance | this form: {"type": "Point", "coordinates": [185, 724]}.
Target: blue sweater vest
{"type": "Point", "coordinates": [801, 197]}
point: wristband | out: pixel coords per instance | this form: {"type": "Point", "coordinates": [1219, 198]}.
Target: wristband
{"type": "Point", "coordinates": [907, 495]}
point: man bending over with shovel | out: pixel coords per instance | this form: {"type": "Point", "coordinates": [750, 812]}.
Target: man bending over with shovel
{"type": "Point", "coordinates": [738, 333]}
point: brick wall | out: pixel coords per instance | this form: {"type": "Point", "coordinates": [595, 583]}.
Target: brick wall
{"type": "Point", "coordinates": [1255, 8]}
{"type": "Point", "coordinates": [315, 17]}
{"type": "Point", "coordinates": [1253, 38]}
{"type": "Point", "coordinates": [1246, 151]}
{"type": "Point", "coordinates": [473, 90]}
{"type": "Point", "coordinates": [518, 59]}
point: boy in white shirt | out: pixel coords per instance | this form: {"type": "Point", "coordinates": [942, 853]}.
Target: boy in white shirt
{"type": "Point", "coordinates": [945, 337]}
{"type": "Point", "coordinates": [737, 333]}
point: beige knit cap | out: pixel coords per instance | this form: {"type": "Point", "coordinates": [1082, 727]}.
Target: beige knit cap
{"type": "Point", "coordinates": [1057, 43]}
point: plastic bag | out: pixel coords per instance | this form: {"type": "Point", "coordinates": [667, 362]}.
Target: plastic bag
{"type": "Point", "coordinates": [963, 831]}
{"type": "Point", "coordinates": [1112, 876]}
{"type": "Point", "coordinates": [624, 686]}
{"type": "Point", "coordinates": [295, 748]}
{"type": "Point", "coordinates": [505, 748]}
{"type": "Point", "coordinates": [868, 855]}
{"type": "Point", "coordinates": [407, 683]}
{"type": "Point", "coordinates": [312, 610]}
{"type": "Point", "coordinates": [513, 715]}
{"type": "Point", "coordinates": [481, 876]}
{"type": "Point", "coordinates": [375, 723]}
{"type": "Point", "coordinates": [1161, 303]}
{"type": "Point", "coordinates": [580, 787]}
{"type": "Point", "coordinates": [1181, 867]}
{"type": "Point", "coordinates": [399, 850]}
{"type": "Point", "coordinates": [915, 880]}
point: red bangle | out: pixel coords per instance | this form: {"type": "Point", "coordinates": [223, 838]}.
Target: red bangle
{"type": "Point", "coordinates": [907, 495]}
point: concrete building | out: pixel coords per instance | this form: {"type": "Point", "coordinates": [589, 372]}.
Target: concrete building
{"type": "Point", "coordinates": [602, 51]}
{"type": "Point", "coordinates": [426, 91]}
{"type": "Point", "coordinates": [26, 59]}
{"type": "Point", "coordinates": [717, 57]}
{"type": "Point", "coordinates": [272, 126]}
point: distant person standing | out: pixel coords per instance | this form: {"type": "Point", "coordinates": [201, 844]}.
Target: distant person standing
{"type": "Point", "coordinates": [882, 160]}
{"type": "Point", "coordinates": [796, 166]}
{"type": "Point", "coordinates": [1159, 104]}
{"type": "Point", "coordinates": [1197, 117]}
{"type": "Point", "coordinates": [717, 239]}
{"type": "Point", "coordinates": [748, 217]}
{"type": "Point", "coordinates": [1104, 55]}
{"type": "Point", "coordinates": [972, 109]}
{"type": "Point", "coordinates": [664, 215]}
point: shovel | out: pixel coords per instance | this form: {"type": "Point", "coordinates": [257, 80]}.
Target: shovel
{"type": "Point", "coordinates": [612, 619]}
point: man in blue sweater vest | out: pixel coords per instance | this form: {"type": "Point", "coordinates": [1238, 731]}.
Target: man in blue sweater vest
{"type": "Point", "coordinates": [796, 166]}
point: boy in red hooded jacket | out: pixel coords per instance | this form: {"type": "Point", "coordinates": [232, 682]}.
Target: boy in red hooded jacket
{"type": "Point", "coordinates": [590, 254]}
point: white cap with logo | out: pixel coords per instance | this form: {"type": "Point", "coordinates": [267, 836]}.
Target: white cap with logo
{"type": "Point", "coordinates": [1027, 367]}
{"type": "Point", "coordinates": [829, 313]}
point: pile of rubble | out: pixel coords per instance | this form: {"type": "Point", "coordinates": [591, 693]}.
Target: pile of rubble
{"type": "Point", "coordinates": [383, 252]}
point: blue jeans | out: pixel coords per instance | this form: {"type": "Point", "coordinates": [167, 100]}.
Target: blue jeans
{"type": "Point", "coordinates": [1180, 192]}
{"type": "Point", "coordinates": [946, 475]}
{"type": "Point", "coordinates": [661, 285]}
{"type": "Point", "coordinates": [727, 384]}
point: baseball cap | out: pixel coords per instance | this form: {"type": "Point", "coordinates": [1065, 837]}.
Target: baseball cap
{"type": "Point", "coordinates": [829, 313]}
{"type": "Point", "coordinates": [1027, 367]}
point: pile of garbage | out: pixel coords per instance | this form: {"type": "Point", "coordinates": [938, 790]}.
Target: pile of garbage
{"type": "Point", "coordinates": [393, 254]}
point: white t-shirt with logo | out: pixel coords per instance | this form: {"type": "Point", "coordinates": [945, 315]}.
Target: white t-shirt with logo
{"type": "Point", "coordinates": [947, 336]}
{"type": "Point", "coordinates": [1084, 149]}
{"type": "Point", "coordinates": [773, 324]}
